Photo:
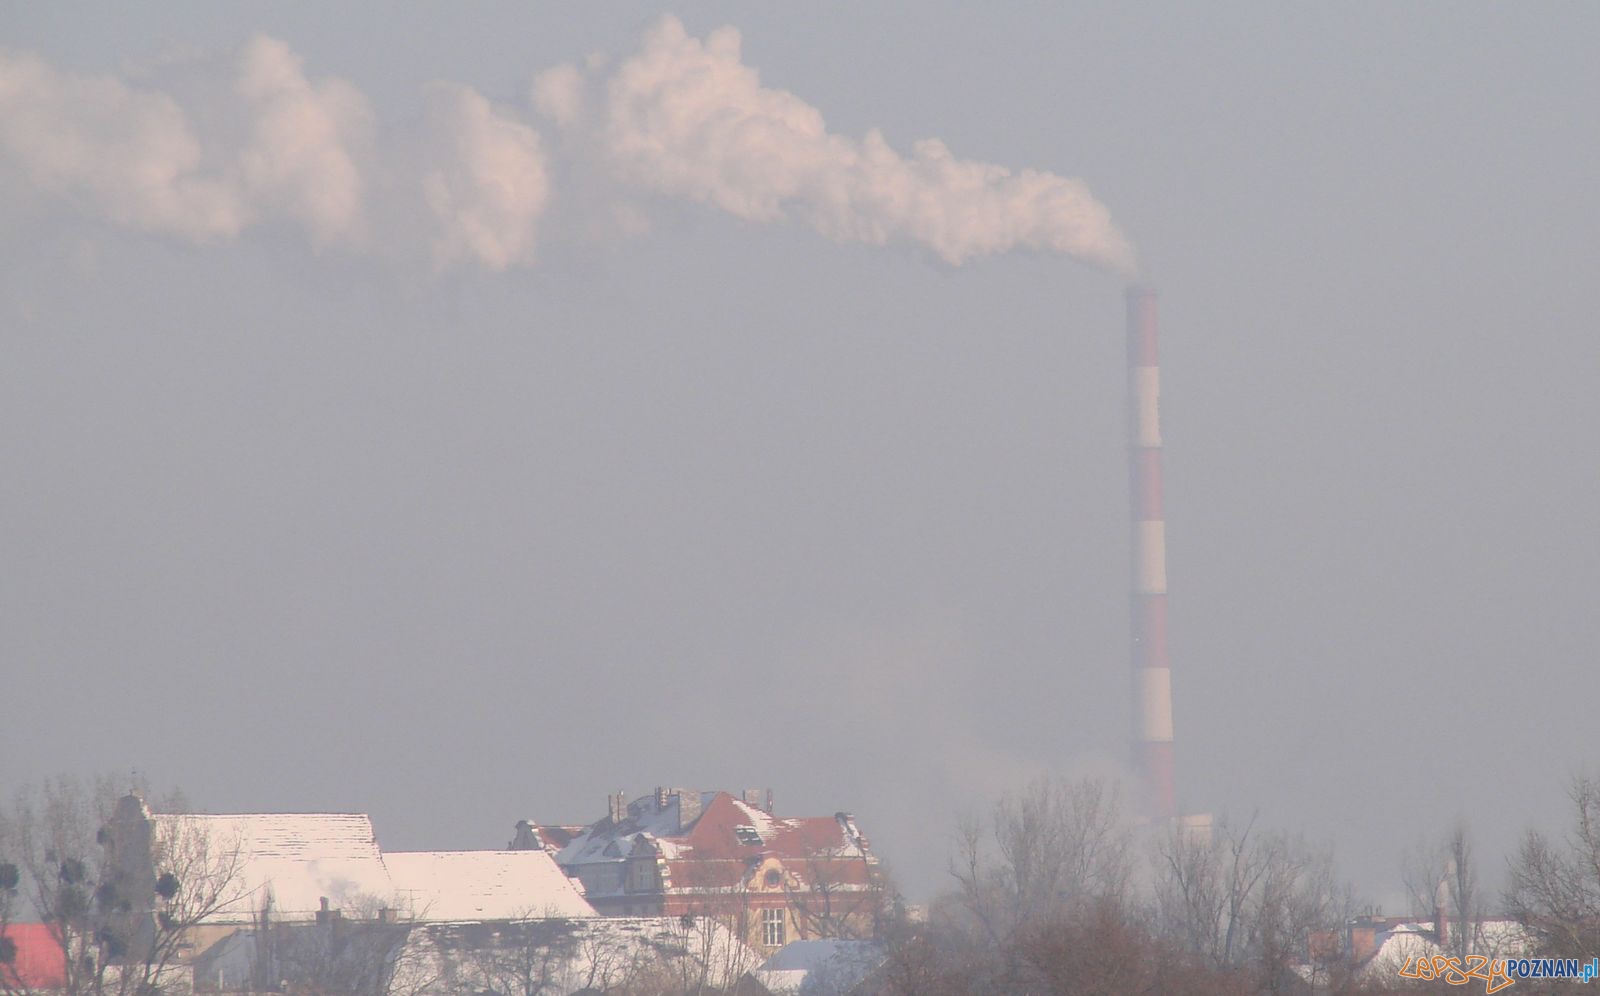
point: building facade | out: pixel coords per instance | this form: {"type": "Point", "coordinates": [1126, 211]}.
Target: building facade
{"type": "Point", "coordinates": [679, 852]}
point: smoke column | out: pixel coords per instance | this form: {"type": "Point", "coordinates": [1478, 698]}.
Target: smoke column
{"type": "Point", "coordinates": [1152, 673]}
{"type": "Point", "coordinates": [254, 142]}
{"type": "Point", "coordinates": [688, 118]}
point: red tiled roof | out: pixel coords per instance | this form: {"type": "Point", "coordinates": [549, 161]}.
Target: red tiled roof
{"type": "Point", "coordinates": [712, 836]}
{"type": "Point", "coordinates": [39, 962]}
{"type": "Point", "coordinates": [726, 841]}
{"type": "Point", "coordinates": [558, 836]}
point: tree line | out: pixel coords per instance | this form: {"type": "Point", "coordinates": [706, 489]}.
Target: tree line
{"type": "Point", "coordinates": [1056, 891]}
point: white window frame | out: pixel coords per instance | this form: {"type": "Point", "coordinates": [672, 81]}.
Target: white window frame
{"type": "Point", "coordinates": [774, 926]}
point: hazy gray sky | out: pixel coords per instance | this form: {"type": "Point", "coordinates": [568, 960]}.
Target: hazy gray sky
{"type": "Point", "coordinates": [459, 453]}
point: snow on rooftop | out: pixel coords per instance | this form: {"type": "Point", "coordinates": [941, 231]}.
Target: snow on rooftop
{"type": "Point", "coordinates": [645, 820]}
{"type": "Point", "coordinates": [818, 967]}
{"type": "Point", "coordinates": [296, 859]}
{"type": "Point", "coordinates": [436, 886]}
{"type": "Point", "coordinates": [762, 821]}
{"type": "Point", "coordinates": [291, 836]}
{"type": "Point", "coordinates": [743, 825]}
{"type": "Point", "coordinates": [1408, 941]}
{"type": "Point", "coordinates": [588, 955]}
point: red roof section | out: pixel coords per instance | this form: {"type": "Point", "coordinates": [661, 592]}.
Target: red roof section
{"type": "Point", "coordinates": [803, 844]}
{"type": "Point", "coordinates": [794, 838]}
{"type": "Point", "coordinates": [39, 963]}
{"type": "Point", "coordinates": [726, 843]}
{"type": "Point", "coordinates": [558, 836]}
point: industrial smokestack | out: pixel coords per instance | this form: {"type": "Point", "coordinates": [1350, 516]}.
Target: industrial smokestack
{"type": "Point", "coordinates": [1152, 673]}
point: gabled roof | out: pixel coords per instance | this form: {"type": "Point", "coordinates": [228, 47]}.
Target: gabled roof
{"type": "Point", "coordinates": [435, 886]}
{"type": "Point", "coordinates": [608, 841]}
{"type": "Point", "coordinates": [725, 828]}
{"type": "Point", "coordinates": [296, 859]}
{"type": "Point", "coordinates": [729, 828]}
{"type": "Point", "coordinates": [723, 845]}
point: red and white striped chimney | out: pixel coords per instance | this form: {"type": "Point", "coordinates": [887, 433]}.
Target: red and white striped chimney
{"type": "Point", "coordinates": [1152, 673]}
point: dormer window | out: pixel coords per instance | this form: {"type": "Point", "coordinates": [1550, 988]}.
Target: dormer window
{"type": "Point", "coordinates": [746, 835]}
{"type": "Point", "coordinates": [641, 876]}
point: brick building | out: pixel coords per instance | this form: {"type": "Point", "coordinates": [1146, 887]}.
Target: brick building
{"type": "Point", "coordinates": [679, 851]}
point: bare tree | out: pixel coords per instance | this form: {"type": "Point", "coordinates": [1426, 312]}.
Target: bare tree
{"type": "Point", "coordinates": [1046, 855]}
{"type": "Point", "coordinates": [337, 957]}
{"type": "Point", "coordinates": [1441, 877]}
{"type": "Point", "coordinates": [1192, 897]}
{"type": "Point", "coordinates": [1555, 886]}
{"type": "Point", "coordinates": [1245, 901]}
{"type": "Point", "coordinates": [11, 978]}
{"type": "Point", "coordinates": [609, 962]}
{"type": "Point", "coordinates": [117, 897]}
{"type": "Point", "coordinates": [704, 956]}
{"type": "Point", "coordinates": [838, 895]}
{"type": "Point", "coordinates": [1046, 849]}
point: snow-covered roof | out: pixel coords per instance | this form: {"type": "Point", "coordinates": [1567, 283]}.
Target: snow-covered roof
{"type": "Point", "coordinates": [296, 859]}
{"type": "Point", "coordinates": [827, 967]}
{"type": "Point", "coordinates": [657, 824]}
{"type": "Point", "coordinates": [1404, 942]}
{"type": "Point", "coordinates": [570, 956]}
{"type": "Point", "coordinates": [436, 886]}
{"type": "Point", "coordinates": [299, 859]}
{"type": "Point", "coordinates": [718, 831]}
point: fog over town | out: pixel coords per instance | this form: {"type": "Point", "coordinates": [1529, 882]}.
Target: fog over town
{"type": "Point", "coordinates": [459, 415]}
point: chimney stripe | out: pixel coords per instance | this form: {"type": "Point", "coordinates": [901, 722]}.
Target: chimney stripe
{"type": "Point", "coordinates": [1155, 703]}
{"type": "Point", "coordinates": [1149, 630]}
{"type": "Point", "coordinates": [1144, 384]}
{"type": "Point", "coordinates": [1150, 557]}
{"type": "Point", "coordinates": [1151, 671]}
{"type": "Point", "coordinates": [1153, 759]}
{"type": "Point", "coordinates": [1144, 483]}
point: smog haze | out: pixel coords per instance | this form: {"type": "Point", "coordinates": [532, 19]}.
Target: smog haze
{"type": "Point", "coordinates": [457, 414]}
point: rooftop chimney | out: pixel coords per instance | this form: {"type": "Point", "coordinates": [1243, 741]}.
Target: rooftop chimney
{"type": "Point", "coordinates": [688, 808]}
{"type": "Point", "coordinates": [1152, 673]}
{"type": "Point", "coordinates": [526, 838]}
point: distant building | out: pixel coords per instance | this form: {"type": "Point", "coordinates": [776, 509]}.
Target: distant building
{"type": "Point", "coordinates": [830, 967]}
{"type": "Point", "coordinates": [565, 957]}
{"type": "Point", "coordinates": [452, 886]}
{"type": "Point", "coordinates": [295, 867]}
{"type": "Point", "coordinates": [265, 874]}
{"type": "Point", "coordinates": [1374, 949]}
{"type": "Point", "coordinates": [31, 959]}
{"type": "Point", "coordinates": [679, 851]}
{"type": "Point", "coordinates": [550, 956]}
{"type": "Point", "coordinates": [1381, 946]}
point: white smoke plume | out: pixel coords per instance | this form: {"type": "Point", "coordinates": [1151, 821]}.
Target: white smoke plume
{"type": "Point", "coordinates": [301, 158]}
{"type": "Point", "coordinates": [123, 155]}
{"type": "Point", "coordinates": [486, 185]}
{"type": "Point", "coordinates": [272, 146]}
{"type": "Point", "coordinates": [261, 144]}
{"type": "Point", "coordinates": [687, 118]}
